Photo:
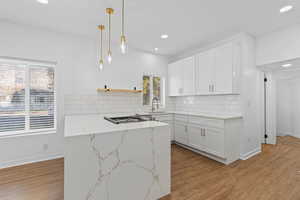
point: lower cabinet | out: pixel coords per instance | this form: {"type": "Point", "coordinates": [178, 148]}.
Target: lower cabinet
{"type": "Point", "coordinates": [215, 141]}
{"type": "Point", "coordinates": [180, 133]}
{"type": "Point", "coordinates": [196, 137]}
{"type": "Point", "coordinates": [218, 139]}
{"type": "Point", "coordinates": [210, 140]}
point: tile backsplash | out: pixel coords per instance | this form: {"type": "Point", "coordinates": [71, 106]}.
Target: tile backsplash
{"type": "Point", "coordinates": [208, 104]}
{"type": "Point", "coordinates": [103, 103]}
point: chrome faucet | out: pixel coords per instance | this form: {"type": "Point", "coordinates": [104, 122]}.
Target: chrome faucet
{"type": "Point", "coordinates": [155, 99]}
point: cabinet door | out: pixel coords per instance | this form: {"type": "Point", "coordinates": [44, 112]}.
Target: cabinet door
{"type": "Point", "coordinates": [224, 69]}
{"type": "Point", "coordinates": [180, 133]}
{"type": "Point", "coordinates": [196, 137]}
{"type": "Point", "coordinates": [175, 79]}
{"type": "Point", "coordinates": [188, 72]}
{"type": "Point", "coordinates": [171, 125]}
{"type": "Point", "coordinates": [205, 72]}
{"type": "Point", "coordinates": [215, 142]}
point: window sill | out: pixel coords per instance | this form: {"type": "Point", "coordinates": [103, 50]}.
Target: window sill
{"type": "Point", "coordinates": [27, 133]}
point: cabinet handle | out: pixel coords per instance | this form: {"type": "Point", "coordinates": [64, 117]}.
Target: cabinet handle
{"type": "Point", "coordinates": [213, 88]}
{"type": "Point", "coordinates": [204, 134]}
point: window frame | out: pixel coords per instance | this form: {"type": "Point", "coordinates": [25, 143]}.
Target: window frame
{"type": "Point", "coordinates": [162, 103]}
{"type": "Point", "coordinates": [27, 64]}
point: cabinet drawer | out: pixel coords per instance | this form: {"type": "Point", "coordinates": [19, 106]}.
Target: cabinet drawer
{"type": "Point", "coordinates": [216, 123]}
{"type": "Point", "coordinates": [181, 118]}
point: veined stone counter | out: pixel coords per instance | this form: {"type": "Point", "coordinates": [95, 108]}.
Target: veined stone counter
{"type": "Point", "coordinates": [128, 162]}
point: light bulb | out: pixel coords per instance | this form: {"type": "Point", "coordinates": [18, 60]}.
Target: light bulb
{"type": "Point", "coordinates": [123, 47]}
{"type": "Point", "coordinates": [109, 57]}
{"type": "Point", "coordinates": [101, 64]}
{"type": "Point", "coordinates": [123, 44]}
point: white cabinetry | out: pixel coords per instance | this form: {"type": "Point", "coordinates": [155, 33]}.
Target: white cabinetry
{"type": "Point", "coordinates": [196, 136]}
{"type": "Point", "coordinates": [204, 72]}
{"type": "Point", "coordinates": [215, 71]}
{"type": "Point", "coordinates": [175, 80]}
{"type": "Point", "coordinates": [215, 142]}
{"type": "Point", "coordinates": [215, 138]}
{"type": "Point", "coordinates": [223, 82]}
{"type": "Point", "coordinates": [180, 133]}
{"type": "Point", "coordinates": [181, 75]}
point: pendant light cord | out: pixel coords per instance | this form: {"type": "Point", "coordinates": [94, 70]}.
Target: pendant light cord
{"type": "Point", "coordinates": [109, 30]}
{"type": "Point", "coordinates": [101, 44]}
{"type": "Point", "coordinates": [123, 11]}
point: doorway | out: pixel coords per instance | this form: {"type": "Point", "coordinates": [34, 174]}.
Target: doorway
{"type": "Point", "coordinates": [281, 104]}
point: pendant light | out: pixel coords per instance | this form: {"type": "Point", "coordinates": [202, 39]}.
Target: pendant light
{"type": "Point", "coordinates": [101, 63]}
{"type": "Point", "coordinates": [109, 11]}
{"type": "Point", "coordinates": [123, 38]}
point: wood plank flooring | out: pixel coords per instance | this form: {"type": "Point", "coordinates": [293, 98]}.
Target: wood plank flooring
{"type": "Point", "coordinates": [271, 175]}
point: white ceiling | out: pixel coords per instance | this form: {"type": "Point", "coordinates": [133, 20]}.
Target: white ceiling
{"type": "Point", "coordinates": [189, 23]}
{"type": "Point", "coordinates": [277, 67]}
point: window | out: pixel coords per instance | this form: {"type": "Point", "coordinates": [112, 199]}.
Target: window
{"type": "Point", "coordinates": [27, 97]}
{"type": "Point", "coordinates": [153, 87]}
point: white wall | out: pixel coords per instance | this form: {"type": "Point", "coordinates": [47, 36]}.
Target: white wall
{"type": "Point", "coordinates": [288, 107]}
{"type": "Point", "coordinates": [251, 84]}
{"type": "Point", "coordinates": [283, 107]}
{"type": "Point", "coordinates": [77, 73]}
{"type": "Point", "coordinates": [278, 46]}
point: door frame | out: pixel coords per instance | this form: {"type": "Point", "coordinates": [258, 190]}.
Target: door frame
{"type": "Point", "coordinates": [270, 110]}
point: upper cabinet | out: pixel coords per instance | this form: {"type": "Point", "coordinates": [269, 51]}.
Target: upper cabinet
{"type": "Point", "coordinates": [224, 69]}
{"type": "Point", "coordinates": [212, 72]}
{"type": "Point", "coordinates": [205, 72]}
{"type": "Point", "coordinates": [181, 75]}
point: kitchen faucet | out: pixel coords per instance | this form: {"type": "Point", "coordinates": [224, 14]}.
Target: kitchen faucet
{"type": "Point", "coordinates": [155, 99]}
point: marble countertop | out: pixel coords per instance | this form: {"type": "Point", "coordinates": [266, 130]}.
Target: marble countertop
{"type": "Point", "coordinates": [77, 125]}
{"type": "Point", "coordinates": [222, 116]}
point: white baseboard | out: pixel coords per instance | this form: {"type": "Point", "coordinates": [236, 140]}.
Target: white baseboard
{"type": "Point", "coordinates": [297, 136]}
{"type": "Point", "coordinates": [283, 133]}
{"type": "Point", "coordinates": [250, 154]}
{"type": "Point", "coordinates": [19, 162]}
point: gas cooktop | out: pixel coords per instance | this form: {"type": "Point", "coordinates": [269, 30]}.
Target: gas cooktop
{"type": "Point", "coordinates": [129, 119]}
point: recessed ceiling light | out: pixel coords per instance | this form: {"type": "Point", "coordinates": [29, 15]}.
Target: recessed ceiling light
{"type": "Point", "coordinates": [286, 65]}
{"type": "Point", "coordinates": [164, 36]}
{"type": "Point", "coordinates": [286, 8]}
{"type": "Point", "coordinates": [43, 1]}
{"type": "Point", "coordinates": [155, 49]}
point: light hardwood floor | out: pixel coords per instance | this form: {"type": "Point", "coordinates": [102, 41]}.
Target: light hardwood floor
{"type": "Point", "coordinates": [272, 175]}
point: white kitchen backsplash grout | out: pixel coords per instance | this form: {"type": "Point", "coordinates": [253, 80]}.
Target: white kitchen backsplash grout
{"type": "Point", "coordinates": [104, 103]}
{"type": "Point", "coordinates": [208, 104]}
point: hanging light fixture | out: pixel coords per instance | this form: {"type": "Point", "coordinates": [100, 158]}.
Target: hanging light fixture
{"type": "Point", "coordinates": [101, 63]}
{"type": "Point", "coordinates": [109, 11]}
{"type": "Point", "coordinates": [123, 38]}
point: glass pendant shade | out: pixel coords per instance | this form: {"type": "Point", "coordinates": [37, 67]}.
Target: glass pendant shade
{"type": "Point", "coordinates": [109, 57]}
{"type": "Point", "coordinates": [101, 65]}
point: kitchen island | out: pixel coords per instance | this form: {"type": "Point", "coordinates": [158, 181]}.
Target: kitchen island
{"type": "Point", "coordinates": [116, 161]}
